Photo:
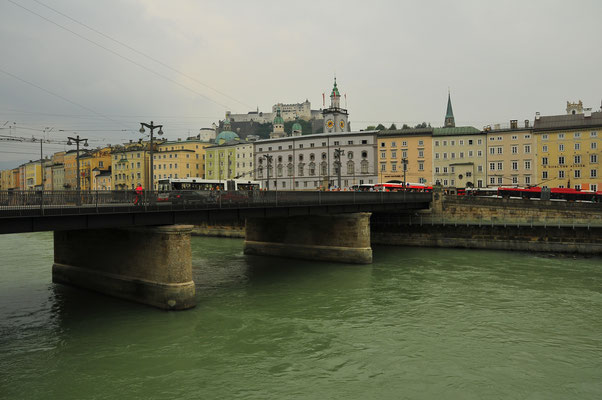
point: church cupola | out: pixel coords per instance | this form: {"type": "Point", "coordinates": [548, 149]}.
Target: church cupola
{"type": "Point", "coordinates": [278, 125]}
{"type": "Point", "coordinates": [450, 122]}
{"type": "Point", "coordinates": [335, 96]}
{"type": "Point", "coordinates": [335, 117]}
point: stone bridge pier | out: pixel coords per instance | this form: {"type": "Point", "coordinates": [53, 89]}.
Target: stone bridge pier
{"type": "Point", "coordinates": [149, 265]}
{"type": "Point", "coordinates": [339, 237]}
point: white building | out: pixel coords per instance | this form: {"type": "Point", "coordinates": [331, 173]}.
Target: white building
{"type": "Point", "coordinates": [310, 162]}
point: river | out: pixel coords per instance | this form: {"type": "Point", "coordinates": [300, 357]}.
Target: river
{"type": "Point", "coordinates": [418, 323]}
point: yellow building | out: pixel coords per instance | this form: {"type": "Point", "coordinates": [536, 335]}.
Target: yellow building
{"type": "Point", "coordinates": [221, 161]}
{"type": "Point", "coordinates": [70, 167]}
{"type": "Point", "coordinates": [413, 145]}
{"type": "Point", "coordinates": [511, 155]}
{"type": "Point", "coordinates": [33, 175]}
{"type": "Point", "coordinates": [180, 159]}
{"type": "Point", "coordinates": [100, 159]}
{"type": "Point", "coordinates": [568, 148]}
{"type": "Point", "coordinates": [130, 166]}
{"type": "Point", "coordinates": [101, 179]}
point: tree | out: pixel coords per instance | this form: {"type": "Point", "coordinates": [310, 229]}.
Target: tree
{"type": "Point", "coordinates": [406, 126]}
{"type": "Point", "coordinates": [422, 125]}
{"type": "Point", "coordinates": [393, 126]}
{"type": "Point", "coordinates": [380, 127]}
{"type": "Point", "coordinates": [371, 128]}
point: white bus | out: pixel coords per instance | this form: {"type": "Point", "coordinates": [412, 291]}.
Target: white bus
{"type": "Point", "coordinates": [194, 189]}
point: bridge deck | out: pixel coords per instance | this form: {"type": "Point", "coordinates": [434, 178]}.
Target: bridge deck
{"type": "Point", "coordinates": [31, 211]}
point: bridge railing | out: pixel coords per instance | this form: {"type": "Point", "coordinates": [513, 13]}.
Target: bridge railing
{"type": "Point", "coordinates": [67, 202]}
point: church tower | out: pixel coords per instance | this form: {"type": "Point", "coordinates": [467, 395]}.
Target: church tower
{"type": "Point", "coordinates": [335, 117]}
{"type": "Point", "coordinates": [278, 124]}
{"type": "Point", "coordinates": [450, 122]}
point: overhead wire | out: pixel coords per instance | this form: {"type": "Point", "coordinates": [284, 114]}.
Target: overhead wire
{"type": "Point", "coordinates": [142, 54]}
{"type": "Point", "coordinates": [120, 55]}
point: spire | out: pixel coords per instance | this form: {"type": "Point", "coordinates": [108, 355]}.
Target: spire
{"type": "Point", "coordinates": [449, 115]}
{"type": "Point", "coordinates": [335, 96]}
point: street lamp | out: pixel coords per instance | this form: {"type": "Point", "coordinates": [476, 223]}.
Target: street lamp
{"type": "Point", "coordinates": [152, 127]}
{"type": "Point", "coordinates": [268, 159]}
{"type": "Point", "coordinates": [405, 168]}
{"type": "Point", "coordinates": [337, 156]}
{"type": "Point", "coordinates": [77, 140]}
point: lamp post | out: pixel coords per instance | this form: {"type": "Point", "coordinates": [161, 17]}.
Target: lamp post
{"type": "Point", "coordinates": [405, 168]}
{"type": "Point", "coordinates": [337, 156]}
{"type": "Point", "coordinates": [77, 141]}
{"type": "Point", "coordinates": [152, 128]}
{"type": "Point", "coordinates": [268, 159]}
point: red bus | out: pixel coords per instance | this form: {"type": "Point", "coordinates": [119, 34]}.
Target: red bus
{"type": "Point", "coordinates": [398, 187]}
{"type": "Point", "coordinates": [555, 194]}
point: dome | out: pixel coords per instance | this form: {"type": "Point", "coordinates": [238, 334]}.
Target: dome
{"type": "Point", "coordinates": [297, 127]}
{"type": "Point", "coordinates": [226, 136]}
{"type": "Point", "coordinates": [278, 120]}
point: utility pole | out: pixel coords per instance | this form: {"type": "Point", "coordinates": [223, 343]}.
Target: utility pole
{"type": "Point", "coordinates": [268, 159]}
{"type": "Point", "coordinates": [337, 156]}
{"type": "Point", "coordinates": [152, 127]}
{"type": "Point", "coordinates": [77, 140]}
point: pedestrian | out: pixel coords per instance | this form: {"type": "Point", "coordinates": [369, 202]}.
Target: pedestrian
{"type": "Point", "coordinates": [138, 199]}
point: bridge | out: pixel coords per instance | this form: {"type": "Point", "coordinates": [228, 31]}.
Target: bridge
{"type": "Point", "coordinates": [139, 248]}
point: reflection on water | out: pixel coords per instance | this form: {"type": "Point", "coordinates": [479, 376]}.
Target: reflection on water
{"type": "Point", "coordinates": [418, 323]}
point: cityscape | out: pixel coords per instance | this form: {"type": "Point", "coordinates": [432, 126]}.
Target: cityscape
{"type": "Point", "coordinates": [300, 200]}
{"type": "Point", "coordinates": [553, 151]}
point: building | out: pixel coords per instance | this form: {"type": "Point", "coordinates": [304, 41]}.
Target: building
{"type": "Point", "coordinates": [70, 167]}
{"type": "Point", "coordinates": [130, 165]}
{"type": "Point", "coordinates": [58, 176]}
{"type": "Point", "coordinates": [33, 175]}
{"type": "Point", "coordinates": [410, 146]}
{"type": "Point", "coordinates": [289, 112]}
{"type": "Point", "coordinates": [568, 149]}
{"type": "Point", "coordinates": [459, 157]}
{"type": "Point", "coordinates": [180, 159]}
{"type": "Point", "coordinates": [310, 162]}
{"type": "Point", "coordinates": [101, 179]}
{"type": "Point", "coordinates": [89, 161]}
{"type": "Point", "coordinates": [511, 155]}
{"type": "Point", "coordinates": [278, 126]}
{"type": "Point", "coordinates": [335, 117]}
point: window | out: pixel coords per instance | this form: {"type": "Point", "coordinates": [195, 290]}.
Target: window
{"type": "Point", "coordinates": [383, 154]}
{"type": "Point", "coordinates": [544, 175]}
{"type": "Point", "coordinates": [436, 170]}
{"type": "Point", "coordinates": [594, 145]}
{"type": "Point", "coordinates": [420, 166]}
{"type": "Point", "coordinates": [500, 165]}
{"type": "Point", "coordinates": [492, 139]}
{"type": "Point", "coordinates": [492, 180]}
{"type": "Point", "coordinates": [500, 150]}
{"type": "Point", "coordinates": [470, 142]}
{"type": "Point", "coordinates": [364, 142]}
{"type": "Point", "coordinates": [404, 144]}
{"type": "Point", "coordinates": [350, 142]}
{"type": "Point", "coordinates": [452, 169]}
{"type": "Point", "coordinates": [452, 155]}
{"type": "Point", "coordinates": [480, 141]}
{"type": "Point", "coordinates": [514, 149]}
{"type": "Point", "coordinates": [480, 168]}
{"type": "Point", "coordinates": [336, 142]}
{"type": "Point", "coordinates": [383, 167]}
{"type": "Point", "coordinates": [444, 156]}
{"type": "Point", "coordinates": [593, 187]}
{"type": "Point", "coordinates": [527, 148]}
{"type": "Point", "coordinates": [561, 173]}
{"type": "Point", "coordinates": [577, 173]}
{"type": "Point", "coordinates": [393, 167]}
{"type": "Point", "coordinates": [382, 144]}
{"type": "Point", "coordinates": [544, 148]}
{"type": "Point", "coordinates": [436, 144]}
{"type": "Point", "coordinates": [445, 182]}
{"type": "Point", "coordinates": [445, 170]}
{"type": "Point", "coordinates": [461, 142]}
{"type": "Point", "coordinates": [311, 145]}
{"type": "Point", "coordinates": [453, 182]}
{"type": "Point", "coordinates": [421, 143]}
{"type": "Point", "coordinates": [492, 166]}
{"type": "Point", "coordinates": [420, 153]}
{"type": "Point", "coordinates": [470, 153]}
{"type": "Point", "coordinates": [527, 179]}
{"type": "Point", "coordinates": [561, 136]}
{"type": "Point", "coordinates": [393, 144]}
{"type": "Point", "coordinates": [593, 158]}
{"type": "Point", "coordinates": [461, 154]}
{"type": "Point", "coordinates": [436, 156]}
{"type": "Point", "coordinates": [514, 165]}
{"type": "Point", "coordinates": [500, 180]}
{"type": "Point", "coordinates": [393, 154]}
{"type": "Point", "coordinates": [452, 142]}
{"type": "Point", "coordinates": [577, 134]}
{"type": "Point", "coordinates": [577, 146]}
{"type": "Point", "coordinates": [527, 164]}
{"type": "Point", "coordinates": [479, 153]}
{"type": "Point", "coordinates": [515, 180]}
{"type": "Point", "coordinates": [445, 142]}
{"type": "Point", "coordinates": [561, 160]}
{"type": "Point", "coordinates": [514, 137]}
{"type": "Point", "coordinates": [544, 161]}
{"type": "Point", "coordinates": [577, 159]}
{"type": "Point", "coordinates": [404, 154]}
{"type": "Point", "coordinates": [492, 150]}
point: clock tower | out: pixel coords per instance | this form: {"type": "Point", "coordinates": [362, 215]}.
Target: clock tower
{"type": "Point", "coordinates": [335, 117]}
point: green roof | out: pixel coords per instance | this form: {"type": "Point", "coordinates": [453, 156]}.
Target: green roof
{"type": "Point", "coordinates": [335, 90]}
{"type": "Point", "coordinates": [459, 130]}
{"type": "Point", "coordinates": [450, 112]}
{"type": "Point", "coordinates": [226, 136]}
{"type": "Point", "coordinates": [406, 131]}
{"type": "Point", "coordinates": [278, 119]}
{"type": "Point", "coordinates": [297, 127]}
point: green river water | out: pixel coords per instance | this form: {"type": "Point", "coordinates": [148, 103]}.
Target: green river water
{"type": "Point", "coordinates": [418, 323]}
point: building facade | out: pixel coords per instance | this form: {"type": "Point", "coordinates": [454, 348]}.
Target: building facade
{"type": "Point", "coordinates": [459, 157]}
{"type": "Point", "coordinates": [180, 159]}
{"type": "Point", "coordinates": [335, 117]}
{"type": "Point", "coordinates": [568, 149]}
{"type": "Point", "coordinates": [409, 147]}
{"type": "Point", "coordinates": [511, 156]}
{"type": "Point", "coordinates": [130, 166]}
{"type": "Point", "coordinates": [311, 162]}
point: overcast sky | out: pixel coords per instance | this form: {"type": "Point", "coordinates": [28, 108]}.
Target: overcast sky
{"type": "Point", "coordinates": [395, 60]}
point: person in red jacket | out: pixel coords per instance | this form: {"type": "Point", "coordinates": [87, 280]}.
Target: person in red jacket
{"type": "Point", "coordinates": [139, 191]}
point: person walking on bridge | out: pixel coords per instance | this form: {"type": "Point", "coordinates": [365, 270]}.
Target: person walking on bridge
{"type": "Point", "coordinates": [138, 199]}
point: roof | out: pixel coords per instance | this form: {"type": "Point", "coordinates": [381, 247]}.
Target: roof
{"type": "Point", "coordinates": [232, 142]}
{"type": "Point", "coordinates": [567, 121]}
{"type": "Point", "coordinates": [406, 132]}
{"type": "Point", "coordinates": [459, 130]}
{"type": "Point", "coordinates": [450, 112]}
{"type": "Point", "coordinates": [226, 136]}
{"type": "Point", "coordinates": [335, 90]}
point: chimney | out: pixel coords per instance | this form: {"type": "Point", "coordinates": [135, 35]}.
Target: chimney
{"type": "Point", "coordinates": [537, 116]}
{"type": "Point", "coordinates": [513, 123]}
{"type": "Point", "coordinates": [526, 123]}
{"type": "Point", "coordinates": [587, 112]}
